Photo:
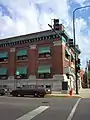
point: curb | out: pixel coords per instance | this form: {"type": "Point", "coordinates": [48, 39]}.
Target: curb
{"type": "Point", "coordinates": [64, 96]}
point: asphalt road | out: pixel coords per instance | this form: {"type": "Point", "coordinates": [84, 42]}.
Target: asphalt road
{"type": "Point", "coordinates": [20, 108]}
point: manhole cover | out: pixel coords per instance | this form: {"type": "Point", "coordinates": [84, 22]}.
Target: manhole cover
{"type": "Point", "coordinates": [45, 102]}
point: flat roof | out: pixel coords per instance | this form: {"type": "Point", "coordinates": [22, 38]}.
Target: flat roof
{"type": "Point", "coordinates": [31, 35]}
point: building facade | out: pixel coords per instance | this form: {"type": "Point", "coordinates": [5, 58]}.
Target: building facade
{"type": "Point", "coordinates": [40, 58]}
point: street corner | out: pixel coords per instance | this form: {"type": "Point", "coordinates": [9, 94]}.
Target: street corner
{"type": "Point", "coordinates": [62, 95]}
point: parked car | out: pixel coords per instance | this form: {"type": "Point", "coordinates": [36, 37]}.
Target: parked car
{"type": "Point", "coordinates": [29, 90]}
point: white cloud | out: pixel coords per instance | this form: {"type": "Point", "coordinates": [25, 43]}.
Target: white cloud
{"type": "Point", "coordinates": [82, 2]}
{"type": "Point", "coordinates": [27, 17]}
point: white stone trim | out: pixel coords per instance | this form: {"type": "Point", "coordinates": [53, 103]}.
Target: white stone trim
{"type": "Point", "coordinates": [57, 43]}
{"type": "Point", "coordinates": [32, 77]}
{"type": "Point", "coordinates": [62, 77]}
{"type": "Point", "coordinates": [72, 65]}
{"type": "Point", "coordinates": [63, 43]}
{"type": "Point", "coordinates": [66, 59]}
{"type": "Point", "coordinates": [12, 49]}
{"type": "Point", "coordinates": [32, 46]}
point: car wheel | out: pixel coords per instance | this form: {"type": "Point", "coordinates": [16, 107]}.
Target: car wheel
{"type": "Point", "coordinates": [15, 95]}
{"type": "Point", "coordinates": [36, 94]}
{"type": "Point", "coordinates": [22, 95]}
{"type": "Point", "coordinates": [2, 94]}
{"type": "Point", "coordinates": [42, 96]}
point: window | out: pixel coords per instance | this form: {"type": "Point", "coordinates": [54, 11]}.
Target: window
{"type": "Point", "coordinates": [67, 74]}
{"type": "Point", "coordinates": [63, 39]}
{"type": "Point", "coordinates": [67, 54]}
{"type": "Point", "coordinates": [22, 54]}
{"type": "Point", "coordinates": [44, 52]}
{"type": "Point", "coordinates": [72, 57]}
{"type": "Point", "coordinates": [21, 73]}
{"type": "Point", "coordinates": [44, 71]}
{"type": "Point", "coordinates": [48, 86]}
{"type": "Point", "coordinates": [3, 73]}
{"type": "Point", "coordinates": [3, 56]}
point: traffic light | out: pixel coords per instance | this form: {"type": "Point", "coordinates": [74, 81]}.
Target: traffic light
{"type": "Point", "coordinates": [56, 24]}
{"type": "Point", "coordinates": [78, 65]}
{"type": "Point", "coordinates": [70, 42]}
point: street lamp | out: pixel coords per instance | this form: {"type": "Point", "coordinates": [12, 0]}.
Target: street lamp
{"type": "Point", "coordinates": [75, 42]}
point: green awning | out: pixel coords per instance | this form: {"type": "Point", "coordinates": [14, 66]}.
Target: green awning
{"type": "Point", "coordinates": [3, 71]}
{"type": "Point", "coordinates": [4, 55]}
{"type": "Point", "coordinates": [21, 70]}
{"type": "Point", "coordinates": [67, 51]}
{"type": "Point", "coordinates": [73, 57]}
{"type": "Point", "coordinates": [44, 50]}
{"type": "Point", "coordinates": [44, 69]}
{"type": "Point", "coordinates": [63, 39]}
{"type": "Point", "coordinates": [22, 52]}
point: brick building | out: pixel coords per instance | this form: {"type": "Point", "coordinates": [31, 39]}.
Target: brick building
{"type": "Point", "coordinates": [38, 58]}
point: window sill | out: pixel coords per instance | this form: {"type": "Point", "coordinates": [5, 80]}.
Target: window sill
{"type": "Point", "coordinates": [72, 65]}
{"type": "Point", "coordinates": [46, 58]}
{"type": "Point", "coordinates": [4, 62]}
{"type": "Point", "coordinates": [67, 59]}
{"type": "Point", "coordinates": [21, 60]}
{"type": "Point", "coordinates": [44, 78]}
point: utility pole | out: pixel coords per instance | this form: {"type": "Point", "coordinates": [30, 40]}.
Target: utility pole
{"type": "Point", "coordinates": [74, 38]}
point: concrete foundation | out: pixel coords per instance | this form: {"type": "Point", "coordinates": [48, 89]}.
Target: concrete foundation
{"type": "Point", "coordinates": [55, 82]}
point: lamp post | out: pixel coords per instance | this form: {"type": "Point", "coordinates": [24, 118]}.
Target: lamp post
{"type": "Point", "coordinates": [74, 38]}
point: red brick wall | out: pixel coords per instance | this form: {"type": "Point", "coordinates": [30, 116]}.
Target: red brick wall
{"type": "Point", "coordinates": [11, 64]}
{"type": "Point", "coordinates": [32, 61]}
{"type": "Point", "coordinates": [56, 61]}
{"type": "Point", "coordinates": [4, 64]}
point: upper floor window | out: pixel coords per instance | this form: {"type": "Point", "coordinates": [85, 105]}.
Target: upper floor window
{"type": "Point", "coordinates": [44, 52]}
{"type": "Point", "coordinates": [3, 56]}
{"type": "Point", "coordinates": [44, 71]}
{"type": "Point", "coordinates": [22, 54]}
{"type": "Point", "coordinates": [72, 57]}
{"type": "Point", "coordinates": [63, 39]}
{"type": "Point", "coordinates": [3, 73]}
{"type": "Point", "coordinates": [22, 72]}
{"type": "Point", "coordinates": [67, 54]}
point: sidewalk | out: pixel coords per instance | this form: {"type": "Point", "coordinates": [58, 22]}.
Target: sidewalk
{"type": "Point", "coordinates": [59, 94]}
{"type": "Point", "coordinates": [83, 93]}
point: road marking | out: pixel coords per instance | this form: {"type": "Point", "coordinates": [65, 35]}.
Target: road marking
{"type": "Point", "coordinates": [33, 113]}
{"type": "Point", "coordinates": [73, 110]}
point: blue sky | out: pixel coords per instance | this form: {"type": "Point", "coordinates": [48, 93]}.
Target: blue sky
{"type": "Point", "coordinates": [26, 16]}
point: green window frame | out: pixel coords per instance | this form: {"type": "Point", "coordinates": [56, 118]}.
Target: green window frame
{"type": "Point", "coordinates": [3, 71]}
{"type": "Point", "coordinates": [72, 57]}
{"type": "Point", "coordinates": [3, 54]}
{"type": "Point", "coordinates": [22, 52]}
{"type": "Point", "coordinates": [63, 39]}
{"type": "Point", "coordinates": [67, 52]}
{"type": "Point", "coordinates": [43, 50]}
{"type": "Point", "coordinates": [21, 70]}
{"type": "Point", "coordinates": [44, 69]}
